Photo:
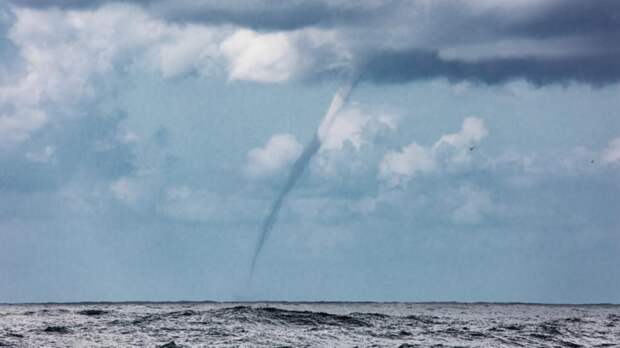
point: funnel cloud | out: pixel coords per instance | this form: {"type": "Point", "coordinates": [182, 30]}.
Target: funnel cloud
{"type": "Point", "coordinates": [299, 167]}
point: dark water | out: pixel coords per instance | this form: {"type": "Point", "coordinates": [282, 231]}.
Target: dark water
{"type": "Point", "coordinates": [309, 325]}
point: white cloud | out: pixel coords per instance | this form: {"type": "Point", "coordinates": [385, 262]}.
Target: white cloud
{"type": "Point", "coordinates": [282, 56]}
{"type": "Point", "coordinates": [349, 131]}
{"type": "Point", "coordinates": [612, 153]}
{"type": "Point", "coordinates": [193, 48]}
{"type": "Point", "coordinates": [260, 57]}
{"type": "Point", "coordinates": [398, 167]}
{"type": "Point", "coordinates": [348, 126]}
{"type": "Point", "coordinates": [356, 127]}
{"type": "Point", "coordinates": [65, 54]}
{"type": "Point", "coordinates": [458, 145]}
{"type": "Point", "coordinates": [280, 150]}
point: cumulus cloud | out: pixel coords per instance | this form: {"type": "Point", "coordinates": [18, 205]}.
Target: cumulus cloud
{"type": "Point", "coordinates": [347, 127]}
{"type": "Point", "coordinates": [283, 56]}
{"type": "Point", "coordinates": [458, 146]}
{"type": "Point", "coordinates": [351, 139]}
{"type": "Point", "coordinates": [398, 167]}
{"type": "Point", "coordinates": [356, 127]}
{"type": "Point", "coordinates": [65, 56]}
{"type": "Point", "coordinates": [191, 49]}
{"type": "Point", "coordinates": [279, 151]}
{"type": "Point", "coordinates": [260, 57]}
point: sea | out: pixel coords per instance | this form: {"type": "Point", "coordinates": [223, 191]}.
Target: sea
{"type": "Point", "coordinates": [325, 324]}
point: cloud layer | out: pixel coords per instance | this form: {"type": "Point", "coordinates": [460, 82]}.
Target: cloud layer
{"type": "Point", "coordinates": [52, 57]}
{"type": "Point", "coordinates": [398, 41]}
{"type": "Point", "coordinates": [280, 150]}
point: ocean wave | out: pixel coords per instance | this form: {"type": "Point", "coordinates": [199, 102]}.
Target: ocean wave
{"type": "Point", "coordinates": [308, 325]}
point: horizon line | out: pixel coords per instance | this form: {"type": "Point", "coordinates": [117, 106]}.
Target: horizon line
{"type": "Point", "coordinates": [310, 302]}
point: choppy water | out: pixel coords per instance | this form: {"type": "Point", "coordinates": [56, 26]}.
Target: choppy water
{"type": "Point", "coordinates": [309, 325]}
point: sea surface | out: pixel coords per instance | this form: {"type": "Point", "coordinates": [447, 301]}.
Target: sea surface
{"type": "Point", "coordinates": [308, 325]}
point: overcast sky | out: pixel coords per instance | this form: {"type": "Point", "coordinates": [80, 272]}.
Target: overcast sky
{"type": "Point", "coordinates": [142, 144]}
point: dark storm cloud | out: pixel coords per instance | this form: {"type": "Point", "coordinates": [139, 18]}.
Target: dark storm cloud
{"type": "Point", "coordinates": [57, 3]}
{"type": "Point", "coordinates": [403, 66]}
{"type": "Point", "coordinates": [571, 17]}
{"type": "Point", "coordinates": [548, 18]}
{"type": "Point", "coordinates": [259, 15]}
{"type": "Point", "coordinates": [271, 15]}
{"type": "Point", "coordinates": [399, 41]}
{"type": "Point", "coordinates": [70, 4]}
